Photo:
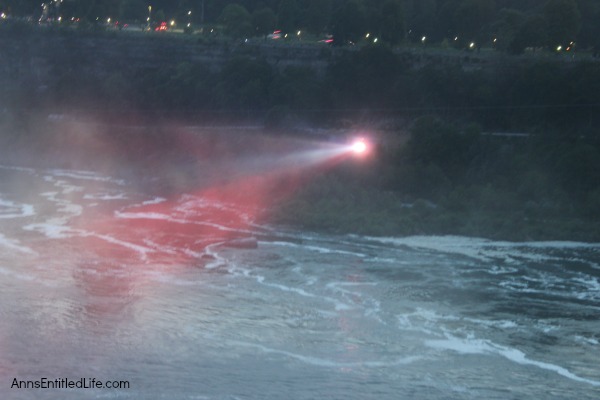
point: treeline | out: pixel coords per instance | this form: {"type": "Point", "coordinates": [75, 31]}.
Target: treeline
{"type": "Point", "coordinates": [508, 25]}
{"type": "Point", "coordinates": [372, 83]}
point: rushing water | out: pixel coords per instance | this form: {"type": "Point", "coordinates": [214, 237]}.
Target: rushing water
{"type": "Point", "coordinates": [98, 280]}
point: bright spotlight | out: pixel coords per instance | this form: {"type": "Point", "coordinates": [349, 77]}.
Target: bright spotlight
{"type": "Point", "coordinates": [359, 146]}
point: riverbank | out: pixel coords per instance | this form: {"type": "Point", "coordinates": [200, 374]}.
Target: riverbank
{"type": "Point", "coordinates": [330, 205]}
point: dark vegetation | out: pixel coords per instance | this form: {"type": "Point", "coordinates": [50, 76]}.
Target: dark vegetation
{"type": "Point", "coordinates": [515, 24]}
{"type": "Point", "coordinates": [507, 149]}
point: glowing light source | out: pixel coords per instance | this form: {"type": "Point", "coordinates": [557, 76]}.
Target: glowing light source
{"type": "Point", "coordinates": [359, 146]}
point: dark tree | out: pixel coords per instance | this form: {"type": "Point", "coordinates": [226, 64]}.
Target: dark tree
{"type": "Point", "coordinates": [564, 21]}
{"type": "Point", "coordinates": [237, 20]}
{"type": "Point", "coordinates": [133, 10]}
{"type": "Point", "coordinates": [589, 35]}
{"type": "Point", "coordinates": [317, 15]}
{"type": "Point", "coordinates": [421, 18]}
{"type": "Point", "coordinates": [531, 33]}
{"type": "Point", "coordinates": [264, 21]}
{"type": "Point", "coordinates": [21, 7]}
{"type": "Point", "coordinates": [472, 17]}
{"type": "Point", "coordinates": [243, 84]}
{"type": "Point", "coordinates": [348, 23]}
{"type": "Point", "coordinates": [506, 27]}
{"type": "Point", "coordinates": [392, 22]}
{"type": "Point", "coordinates": [288, 16]}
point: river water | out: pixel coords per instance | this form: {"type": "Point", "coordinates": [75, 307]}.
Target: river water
{"type": "Point", "coordinates": [101, 280]}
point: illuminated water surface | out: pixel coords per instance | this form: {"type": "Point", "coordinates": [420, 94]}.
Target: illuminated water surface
{"type": "Point", "coordinates": [101, 280]}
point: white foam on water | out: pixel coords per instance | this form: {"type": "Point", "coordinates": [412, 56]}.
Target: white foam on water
{"type": "Point", "coordinates": [591, 285]}
{"type": "Point", "coordinates": [68, 188]}
{"type": "Point", "coordinates": [105, 196]}
{"type": "Point", "coordinates": [13, 274]}
{"type": "Point", "coordinates": [586, 289]}
{"type": "Point", "coordinates": [189, 202]}
{"type": "Point", "coordinates": [169, 279]}
{"type": "Point", "coordinates": [336, 286]}
{"type": "Point", "coordinates": [339, 305]}
{"type": "Point", "coordinates": [14, 244]}
{"type": "Point", "coordinates": [162, 248]}
{"type": "Point", "coordinates": [156, 200]}
{"type": "Point", "coordinates": [481, 346]}
{"type": "Point", "coordinates": [53, 228]}
{"type": "Point", "coordinates": [385, 260]}
{"type": "Point", "coordinates": [56, 226]}
{"type": "Point", "coordinates": [63, 205]}
{"type": "Point", "coordinates": [587, 340]}
{"type": "Point", "coordinates": [141, 250]}
{"type": "Point", "coordinates": [317, 249]}
{"type": "Point", "coordinates": [434, 324]}
{"type": "Point", "coordinates": [85, 175]}
{"type": "Point", "coordinates": [72, 209]}
{"type": "Point", "coordinates": [21, 169]}
{"type": "Point", "coordinates": [484, 249]}
{"type": "Point", "coordinates": [423, 321]}
{"type": "Point", "coordinates": [148, 215]}
{"type": "Point", "coordinates": [10, 209]}
{"type": "Point", "coordinates": [169, 218]}
{"type": "Point", "coordinates": [193, 206]}
{"type": "Point", "coordinates": [372, 307]}
{"type": "Point", "coordinates": [496, 323]}
{"type": "Point", "coordinates": [218, 261]}
{"type": "Point", "coordinates": [322, 362]}
{"type": "Point", "coordinates": [496, 270]}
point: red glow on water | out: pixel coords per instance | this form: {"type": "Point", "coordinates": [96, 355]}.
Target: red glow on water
{"type": "Point", "coordinates": [183, 194]}
{"type": "Point", "coordinates": [225, 205]}
{"type": "Point", "coordinates": [187, 193]}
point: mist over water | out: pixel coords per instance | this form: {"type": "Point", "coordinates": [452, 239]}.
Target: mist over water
{"type": "Point", "coordinates": [121, 271]}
